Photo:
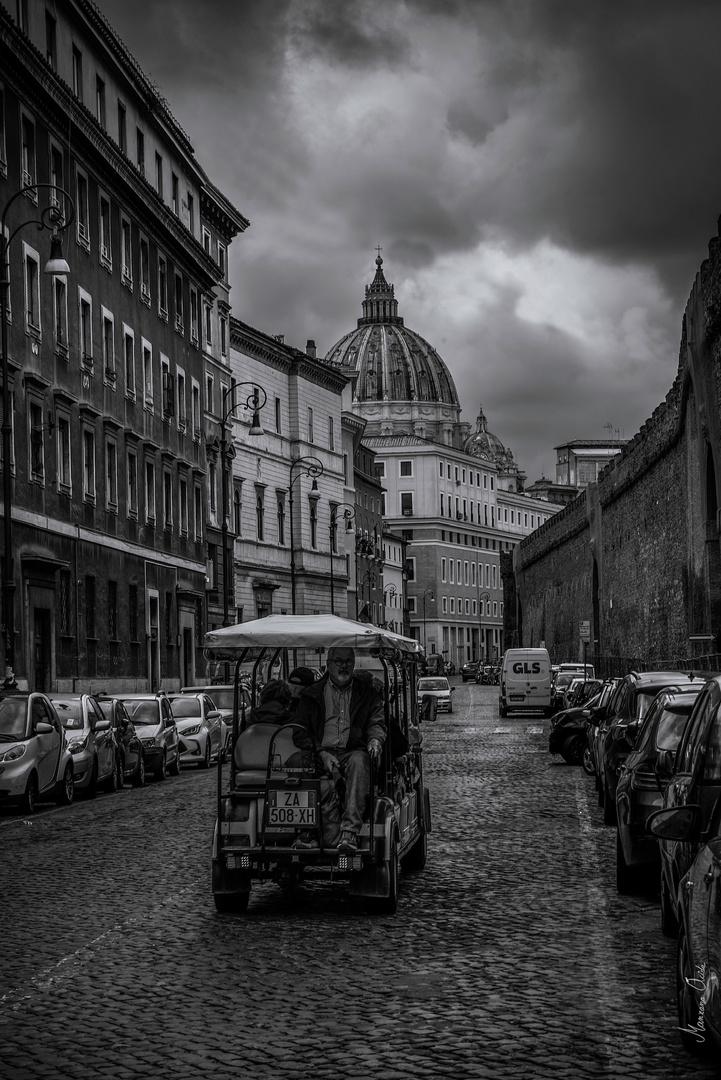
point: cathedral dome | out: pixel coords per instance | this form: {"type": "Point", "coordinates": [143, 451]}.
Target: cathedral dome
{"type": "Point", "coordinates": [392, 362]}
{"type": "Point", "coordinates": [483, 443]}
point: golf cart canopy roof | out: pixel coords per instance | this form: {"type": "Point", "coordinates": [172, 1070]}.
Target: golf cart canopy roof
{"type": "Point", "coordinates": [309, 632]}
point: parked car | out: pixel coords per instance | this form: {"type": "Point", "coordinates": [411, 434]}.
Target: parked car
{"type": "Point", "coordinates": [468, 671]}
{"type": "Point", "coordinates": [439, 688]}
{"type": "Point", "coordinates": [202, 731]}
{"type": "Point", "coordinates": [568, 736]}
{"type": "Point", "coordinates": [641, 782]}
{"type": "Point", "coordinates": [130, 748]}
{"type": "Point", "coordinates": [91, 741]}
{"type": "Point", "coordinates": [698, 899]}
{"type": "Point", "coordinates": [631, 702]}
{"type": "Point", "coordinates": [155, 723]}
{"type": "Point", "coordinates": [580, 691]}
{"type": "Point", "coordinates": [35, 762]}
{"type": "Point", "coordinates": [695, 783]}
{"type": "Point", "coordinates": [222, 697]}
{"type": "Point", "coordinates": [598, 723]}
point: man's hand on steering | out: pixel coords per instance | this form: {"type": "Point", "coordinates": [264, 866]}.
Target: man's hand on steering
{"type": "Point", "coordinates": [375, 747]}
{"type": "Point", "coordinates": [329, 761]}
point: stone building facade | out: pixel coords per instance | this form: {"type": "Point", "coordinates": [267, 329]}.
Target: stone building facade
{"type": "Point", "coordinates": [637, 555]}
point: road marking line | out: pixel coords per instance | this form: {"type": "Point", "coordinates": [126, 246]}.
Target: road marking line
{"type": "Point", "coordinates": [535, 731]}
{"type": "Point", "coordinates": [501, 731]}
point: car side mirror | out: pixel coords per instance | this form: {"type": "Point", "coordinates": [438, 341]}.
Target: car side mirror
{"type": "Point", "coordinates": [43, 728]}
{"type": "Point", "coordinates": [663, 765]}
{"type": "Point", "coordinates": [102, 725]}
{"type": "Point", "coordinates": [453, 689]}
{"type": "Point", "coordinates": [675, 823]}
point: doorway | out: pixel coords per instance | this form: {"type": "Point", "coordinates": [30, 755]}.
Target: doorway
{"type": "Point", "coordinates": [42, 649]}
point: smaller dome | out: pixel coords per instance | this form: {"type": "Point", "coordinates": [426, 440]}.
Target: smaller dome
{"type": "Point", "coordinates": [484, 444]}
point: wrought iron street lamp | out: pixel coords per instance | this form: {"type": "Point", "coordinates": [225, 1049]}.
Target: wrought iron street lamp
{"type": "Point", "coordinates": [255, 401]}
{"type": "Point", "coordinates": [390, 590]}
{"type": "Point", "coordinates": [483, 598]}
{"type": "Point", "coordinates": [369, 579]}
{"type": "Point", "coordinates": [309, 466]}
{"type": "Point", "coordinates": [348, 517]}
{"type": "Point", "coordinates": [432, 594]}
{"type": "Point", "coordinates": [55, 216]}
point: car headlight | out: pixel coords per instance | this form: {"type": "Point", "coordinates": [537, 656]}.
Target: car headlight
{"type": "Point", "coordinates": [148, 742]}
{"type": "Point", "coordinates": [76, 746]}
{"type": "Point", "coordinates": [194, 730]}
{"type": "Point", "coordinates": [13, 754]}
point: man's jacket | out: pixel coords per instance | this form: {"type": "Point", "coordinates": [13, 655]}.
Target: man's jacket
{"type": "Point", "coordinates": [365, 700]}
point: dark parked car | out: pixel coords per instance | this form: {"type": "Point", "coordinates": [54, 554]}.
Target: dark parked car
{"type": "Point", "coordinates": [698, 897]}
{"type": "Point", "coordinates": [468, 671]}
{"type": "Point", "coordinates": [131, 755]}
{"type": "Point", "coordinates": [630, 704]}
{"type": "Point", "coordinates": [696, 782]}
{"type": "Point", "coordinates": [641, 783]}
{"type": "Point", "coordinates": [155, 723]}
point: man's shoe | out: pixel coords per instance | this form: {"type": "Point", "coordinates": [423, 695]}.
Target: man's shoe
{"type": "Point", "coordinates": [348, 843]}
{"type": "Point", "coordinates": [304, 843]}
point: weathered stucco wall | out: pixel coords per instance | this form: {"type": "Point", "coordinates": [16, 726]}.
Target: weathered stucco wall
{"type": "Point", "coordinates": [637, 555]}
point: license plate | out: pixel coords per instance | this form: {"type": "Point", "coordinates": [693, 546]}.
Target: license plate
{"type": "Point", "coordinates": [516, 697]}
{"type": "Point", "coordinates": [292, 808]}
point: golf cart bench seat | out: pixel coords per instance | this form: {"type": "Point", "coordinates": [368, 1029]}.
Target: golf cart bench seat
{"type": "Point", "coordinates": [251, 755]}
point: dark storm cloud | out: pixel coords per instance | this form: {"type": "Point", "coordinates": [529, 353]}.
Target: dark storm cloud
{"type": "Point", "coordinates": [355, 33]}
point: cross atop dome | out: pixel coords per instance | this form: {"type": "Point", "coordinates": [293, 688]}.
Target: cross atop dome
{"type": "Point", "coordinates": [380, 305]}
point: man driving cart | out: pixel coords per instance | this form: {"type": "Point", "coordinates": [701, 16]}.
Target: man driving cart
{"type": "Point", "coordinates": [343, 716]}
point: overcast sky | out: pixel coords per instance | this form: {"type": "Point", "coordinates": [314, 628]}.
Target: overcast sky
{"type": "Point", "coordinates": [543, 177]}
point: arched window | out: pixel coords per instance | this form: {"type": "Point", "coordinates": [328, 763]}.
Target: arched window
{"type": "Point", "coordinates": [259, 512]}
{"type": "Point", "coordinates": [281, 520]}
{"type": "Point", "coordinates": [237, 515]}
{"type": "Point", "coordinates": [313, 525]}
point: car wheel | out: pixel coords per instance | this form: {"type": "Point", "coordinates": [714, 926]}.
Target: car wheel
{"type": "Point", "coordinates": [30, 798]}
{"type": "Point", "coordinates": [669, 922]}
{"type": "Point", "coordinates": [174, 767]}
{"type": "Point", "coordinates": [65, 789]}
{"type": "Point", "coordinates": [587, 762]}
{"type": "Point", "coordinates": [205, 763]}
{"type": "Point", "coordinates": [112, 783]}
{"type": "Point", "coordinates": [162, 770]}
{"type": "Point", "coordinates": [626, 876]}
{"type": "Point", "coordinates": [138, 777]}
{"type": "Point", "coordinates": [92, 788]}
{"type": "Point", "coordinates": [572, 749]}
{"type": "Point", "coordinates": [687, 999]}
{"type": "Point", "coordinates": [231, 903]}
{"type": "Point", "coordinates": [502, 711]}
{"type": "Point", "coordinates": [415, 858]}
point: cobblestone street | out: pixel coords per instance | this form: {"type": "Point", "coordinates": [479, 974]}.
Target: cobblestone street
{"type": "Point", "coordinates": [512, 955]}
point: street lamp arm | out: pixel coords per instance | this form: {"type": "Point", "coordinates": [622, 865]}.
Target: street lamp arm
{"type": "Point", "coordinates": [256, 400]}
{"type": "Point", "coordinates": [50, 217]}
{"type": "Point", "coordinates": [313, 466]}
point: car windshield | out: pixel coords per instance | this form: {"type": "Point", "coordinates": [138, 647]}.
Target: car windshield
{"type": "Point", "coordinates": [142, 712]}
{"type": "Point", "coordinates": [184, 705]}
{"type": "Point", "coordinates": [222, 699]}
{"type": "Point", "coordinates": [642, 704]}
{"type": "Point", "coordinates": [105, 707]}
{"type": "Point", "coordinates": [671, 725]}
{"type": "Point", "coordinates": [13, 713]}
{"type": "Point", "coordinates": [564, 679]}
{"type": "Point", "coordinates": [433, 684]}
{"type": "Point", "coordinates": [70, 713]}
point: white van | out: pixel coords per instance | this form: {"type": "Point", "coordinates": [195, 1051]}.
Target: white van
{"type": "Point", "coordinates": [525, 681]}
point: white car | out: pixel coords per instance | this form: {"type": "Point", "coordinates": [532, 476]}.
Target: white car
{"type": "Point", "coordinates": [202, 732]}
{"type": "Point", "coordinates": [35, 762]}
{"type": "Point", "coordinates": [439, 688]}
{"type": "Point", "coordinates": [91, 742]}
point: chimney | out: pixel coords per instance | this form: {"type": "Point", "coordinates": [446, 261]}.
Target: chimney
{"type": "Point", "coordinates": [310, 348]}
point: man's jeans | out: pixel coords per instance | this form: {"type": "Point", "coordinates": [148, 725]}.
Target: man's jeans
{"type": "Point", "coordinates": [355, 769]}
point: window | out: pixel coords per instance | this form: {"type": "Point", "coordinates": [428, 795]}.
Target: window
{"type": "Point", "coordinates": [406, 468]}
{"type": "Point", "coordinates": [468, 607]}
{"type": "Point", "coordinates": [81, 210]}
{"type": "Point", "coordinates": [90, 628]}
{"type": "Point", "coordinates": [159, 174]}
{"type": "Point", "coordinates": [198, 512]}
{"type": "Point", "coordinates": [310, 425]}
{"type": "Point", "coordinates": [314, 525]}
{"type": "Point", "coordinates": [453, 605]}
{"type": "Point", "coordinates": [224, 336]}
{"type": "Point", "coordinates": [237, 510]}
{"type": "Point", "coordinates": [411, 569]}
{"type": "Point", "coordinates": [150, 492]}
{"type": "Point", "coordinates": [129, 353]}
{"type": "Point", "coordinates": [140, 150]}
{"type": "Point", "coordinates": [88, 465]}
{"type": "Point", "coordinates": [144, 271]}
{"type": "Point", "coordinates": [63, 454]}
{"type": "Point", "coordinates": [65, 602]}
{"type": "Point", "coordinates": [126, 254]}
{"type": "Point", "coordinates": [50, 41]}
{"type": "Point", "coordinates": [178, 297]}
{"type": "Point", "coordinates": [465, 573]}
{"type": "Point", "coordinates": [452, 570]}
{"type": "Point", "coordinates": [209, 393]}
{"type": "Point", "coordinates": [147, 373]}
{"type": "Point", "coordinates": [167, 388]}
{"type": "Point", "coordinates": [191, 213]}
{"type": "Point", "coordinates": [100, 100]}
{"type": "Point", "coordinates": [195, 405]}
{"type": "Point", "coordinates": [108, 345]}
{"type": "Point", "coordinates": [206, 239]}
{"type": "Point", "coordinates": [104, 223]}
{"type": "Point", "coordinates": [443, 569]}
{"type": "Point", "coordinates": [183, 498]}
{"type": "Point", "coordinates": [77, 73]}
{"type": "Point", "coordinates": [213, 490]}
{"type": "Point", "coordinates": [28, 161]}
{"type": "Point", "coordinates": [167, 499]}
{"type": "Point", "coordinates": [208, 321]}
{"type": "Point", "coordinates": [259, 511]}
{"type": "Point", "coordinates": [194, 317]}
{"type": "Point", "coordinates": [122, 127]}
{"type": "Point", "coordinates": [277, 414]}
{"type": "Point", "coordinates": [132, 481]}
{"type": "Point", "coordinates": [181, 403]}
{"type": "Point", "coordinates": [174, 193]}
{"type": "Point", "coordinates": [113, 610]}
{"type": "Point", "coordinates": [111, 476]}
{"type": "Point", "coordinates": [444, 605]}
{"type": "Point", "coordinates": [162, 287]}
{"type": "Point", "coordinates": [36, 442]}
{"type": "Point", "coordinates": [407, 503]}
{"type": "Point", "coordinates": [222, 261]}
{"type": "Point", "coordinates": [495, 609]}
{"type": "Point", "coordinates": [85, 327]}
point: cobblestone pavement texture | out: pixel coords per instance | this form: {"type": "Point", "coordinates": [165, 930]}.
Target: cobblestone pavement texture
{"type": "Point", "coordinates": [511, 955]}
